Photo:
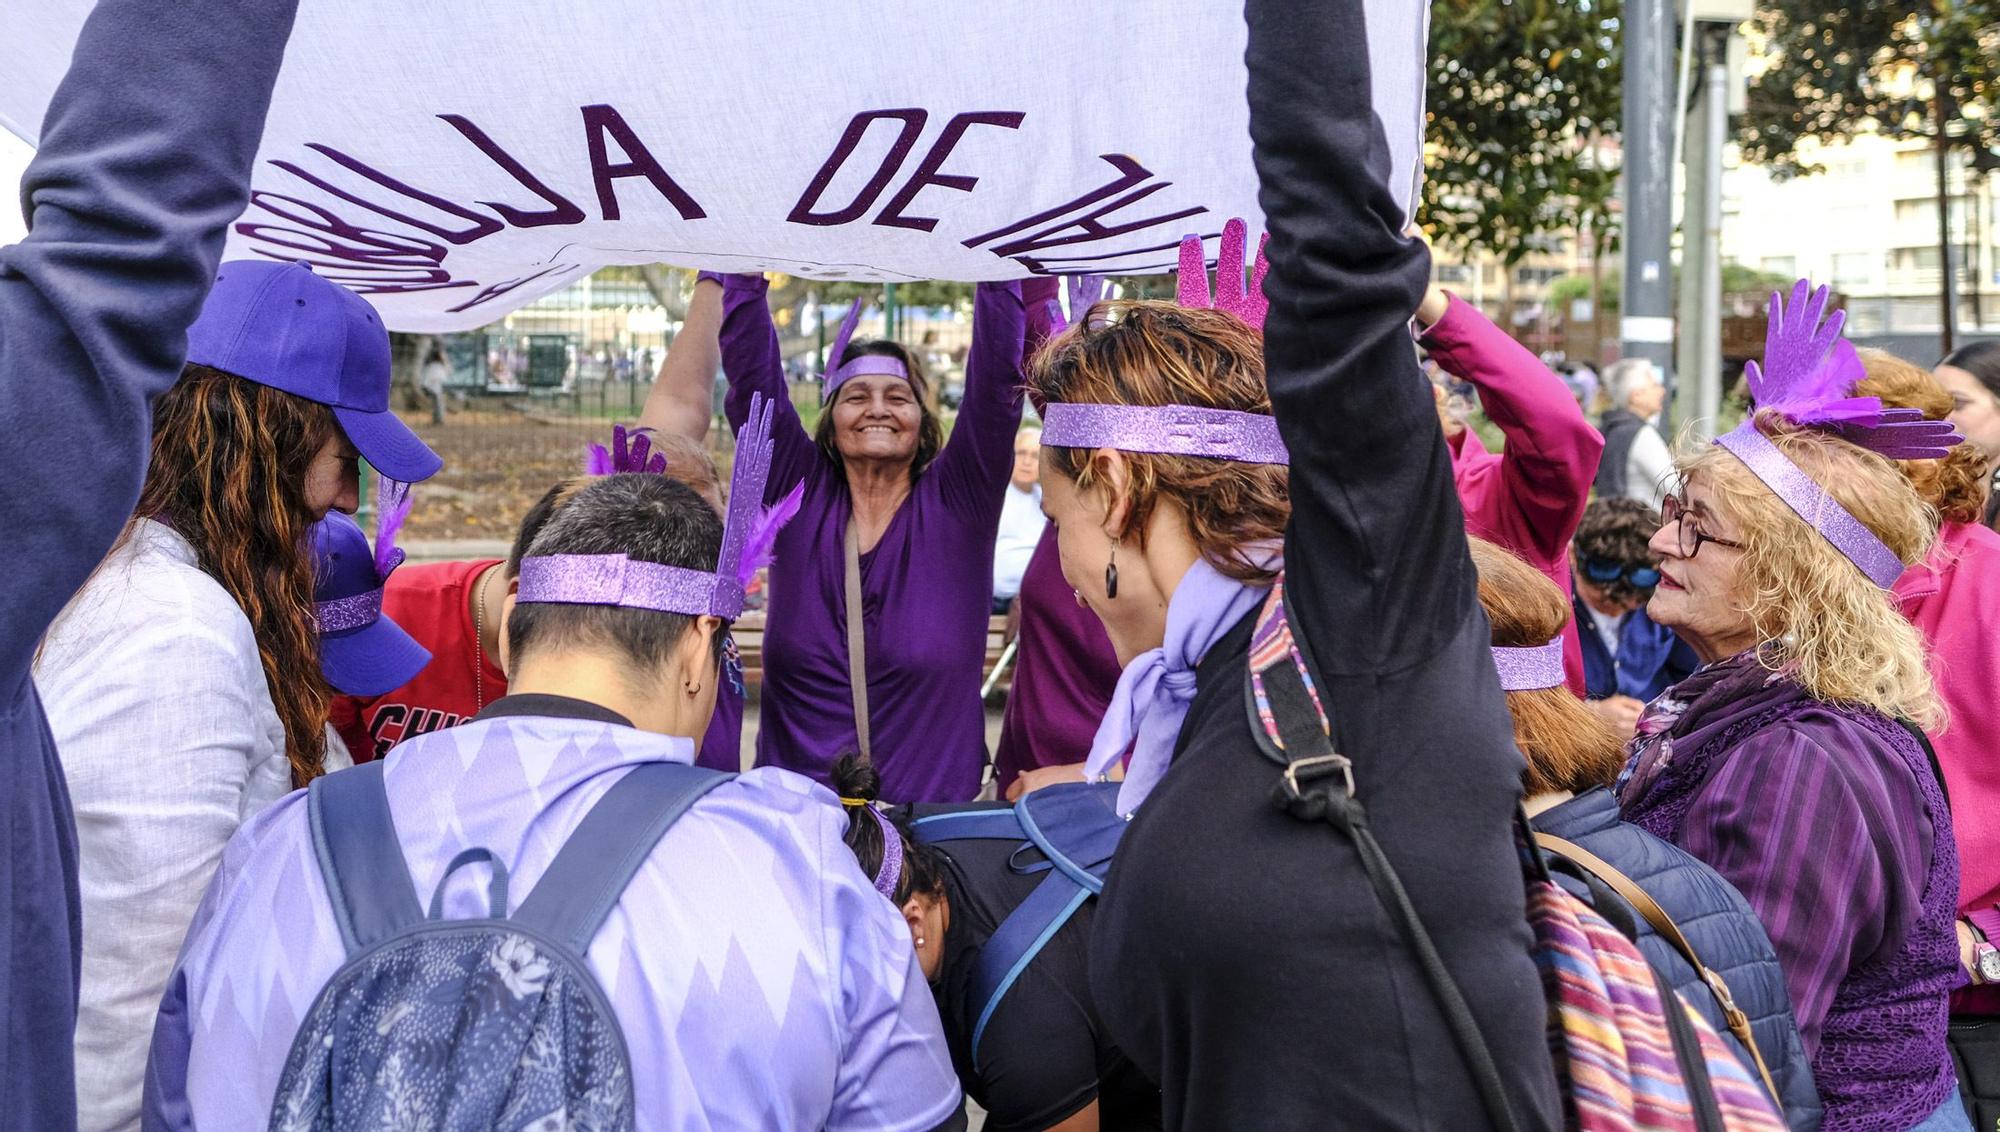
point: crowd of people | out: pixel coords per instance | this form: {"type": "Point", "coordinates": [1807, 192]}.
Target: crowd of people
{"type": "Point", "coordinates": [297, 836]}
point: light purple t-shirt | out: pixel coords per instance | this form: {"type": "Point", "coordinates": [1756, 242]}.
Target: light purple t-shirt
{"type": "Point", "coordinates": [759, 978]}
{"type": "Point", "coordinates": [926, 586]}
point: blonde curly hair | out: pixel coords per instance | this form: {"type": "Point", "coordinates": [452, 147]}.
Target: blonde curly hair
{"type": "Point", "coordinates": [1840, 635]}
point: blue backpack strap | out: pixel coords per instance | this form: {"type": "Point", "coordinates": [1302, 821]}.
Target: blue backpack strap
{"type": "Point", "coordinates": [359, 856]}
{"type": "Point", "coordinates": [590, 872]}
{"type": "Point", "coordinates": [969, 825]}
{"type": "Point", "coordinates": [1016, 942]}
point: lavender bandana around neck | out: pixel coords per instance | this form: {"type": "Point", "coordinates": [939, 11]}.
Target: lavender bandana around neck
{"type": "Point", "coordinates": [1155, 690]}
{"type": "Point", "coordinates": [1810, 502]}
{"type": "Point", "coordinates": [1530, 669]}
{"type": "Point", "coordinates": [1180, 430]}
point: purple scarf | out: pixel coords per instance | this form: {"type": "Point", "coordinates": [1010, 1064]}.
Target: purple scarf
{"type": "Point", "coordinates": [1155, 690]}
{"type": "Point", "coordinates": [1717, 697]}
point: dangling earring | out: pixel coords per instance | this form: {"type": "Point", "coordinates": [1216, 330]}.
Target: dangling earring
{"type": "Point", "coordinates": [1111, 574]}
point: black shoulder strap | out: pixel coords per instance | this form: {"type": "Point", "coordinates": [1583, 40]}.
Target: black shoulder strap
{"type": "Point", "coordinates": [1930, 753]}
{"type": "Point", "coordinates": [1289, 720]}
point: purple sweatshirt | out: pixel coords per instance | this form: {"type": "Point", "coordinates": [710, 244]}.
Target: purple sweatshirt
{"type": "Point", "coordinates": [1064, 673]}
{"type": "Point", "coordinates": [1828, 820]}
{"type": "Point", "coordinates": [926, 587]}
{"type": "Point", "coordinates": [127, 203]}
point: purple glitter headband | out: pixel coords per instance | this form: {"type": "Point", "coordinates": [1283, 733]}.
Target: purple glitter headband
{"type": "Point", "coordinates": [1181, 430]}
{"type": "Point", "coordinates": [749, 537]}
{"type": "Point", "coordinates": [1530, 669]}
{"type": "Point", "coordinates": [890, 874]}
{"type": "Point", "coordinates": [1848, 534]}
{"type": "Point", "coordinates": [868, 365]}
{"type": "Point", "coordinates": [1805, 377]}
{"type": "Point", "coordinates": [343, 613]}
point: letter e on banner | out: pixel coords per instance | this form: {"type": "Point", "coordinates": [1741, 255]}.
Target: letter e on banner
{"type": "Point", "coordinates": [927, 173]}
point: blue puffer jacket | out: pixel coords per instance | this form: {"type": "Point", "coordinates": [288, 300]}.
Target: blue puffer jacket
{"type": "Point", "coordinates": [1718, 922]}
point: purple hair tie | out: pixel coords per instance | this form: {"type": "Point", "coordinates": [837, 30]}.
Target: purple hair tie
{"type": "Point", "coordinates": [868, 365]}
{"type": "Point", "coordinates": [749, 538]}
{"type": "Point", "coordinates": [1530, 669]}
{"type": "Point", "coordinates": [890, 875]}
{"type": "Point", "coordinates": [1849, 535]}
{"type": "Point", "coordinates": [1180, 430]}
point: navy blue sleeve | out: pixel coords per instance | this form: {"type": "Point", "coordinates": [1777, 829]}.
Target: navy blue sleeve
{"type": "Point", "coordinates": [144, 160]}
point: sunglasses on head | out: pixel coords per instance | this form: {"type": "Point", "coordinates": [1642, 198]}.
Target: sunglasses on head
{"type": "Point", "coordinates": [1641, 575]}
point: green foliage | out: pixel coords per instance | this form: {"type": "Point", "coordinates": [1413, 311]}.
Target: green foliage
{"type": "Point", "coordinates": [1519, 90]}
{"type": "Point", "coordinates": [1842, 67]}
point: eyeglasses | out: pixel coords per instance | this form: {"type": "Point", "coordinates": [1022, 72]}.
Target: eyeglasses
{"type": "Point", "coordinates": [1604, 571]}
{"type": "Point", "coordinates": [1674, 511]}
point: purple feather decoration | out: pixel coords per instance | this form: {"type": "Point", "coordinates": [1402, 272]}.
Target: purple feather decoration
{"type": "Point", "coordinates": [1808, 371]}
{"type": "Point", "coordinates": [840, 340]}
{"type": "Point", "coordinates": [596, 461]}
{"type": "Point", "coordinates": [392, 506]}
{"type": "Point", "coordinates": [760, 545]}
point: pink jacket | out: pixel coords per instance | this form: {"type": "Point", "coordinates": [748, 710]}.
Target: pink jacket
{"type": "Point", "coordinates": [1531, 496]}
{"type": "Point", "coordinates": [1953, 598]}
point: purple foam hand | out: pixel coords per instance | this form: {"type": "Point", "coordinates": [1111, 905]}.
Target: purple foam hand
{"type": "Point", "coordinates": [1085, 291]}
{"type": "Point", "coordinates": [1901, 434]}
{"type": "Point", "coordinates": [631, 451]}
{"type": "Point", "coordinates": [747, 481]}
{"type": "Point", "coordinates": [1807, 365]}
{"type": "Point", "coordinates": [392, 506]}
{"type": "Point", "coordinates": [1230, 294]}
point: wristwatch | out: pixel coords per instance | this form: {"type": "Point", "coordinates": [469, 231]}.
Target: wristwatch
{"type": "Point", "coordinates": [1985, 957]}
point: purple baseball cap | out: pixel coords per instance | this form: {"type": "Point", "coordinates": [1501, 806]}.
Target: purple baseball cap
{"type": "Point", "coordinates": [362, 652]}
{"type": "Point", "coordinates": [278, 324]}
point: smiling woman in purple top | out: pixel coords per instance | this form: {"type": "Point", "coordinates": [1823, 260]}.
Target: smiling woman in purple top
{"type": "Point", "coordinates": [926, 514]}
{"type": "Point", "coordinates": [1781, 763]}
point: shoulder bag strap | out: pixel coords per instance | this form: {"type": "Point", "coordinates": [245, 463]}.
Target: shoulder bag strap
{"type": "Point", "coordinates": [857, 658]}
{"type": "Point", "coordinates": [1289, 721]}
{"type": "Point", "coordinates": [1643, 903]}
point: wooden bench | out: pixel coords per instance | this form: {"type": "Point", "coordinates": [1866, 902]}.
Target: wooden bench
{"type": "Point", "coordinates": [749, 633]}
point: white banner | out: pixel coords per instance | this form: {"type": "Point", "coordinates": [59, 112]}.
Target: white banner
{"type": "Point", "coordinates": [452, 159]}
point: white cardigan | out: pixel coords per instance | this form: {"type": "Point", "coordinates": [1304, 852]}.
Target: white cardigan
{"type": "Point", "coordinates": [169, 741]}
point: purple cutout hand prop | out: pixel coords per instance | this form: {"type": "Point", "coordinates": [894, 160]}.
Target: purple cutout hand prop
{"type": "Point", "coordinates": [1246, 303]}
{"type": "Point", "coordinates": [1808, 369]}
{"type": "Point", "coordinates": [631, 451]}
{"type": "Point", "coordinates": [1085, 291]}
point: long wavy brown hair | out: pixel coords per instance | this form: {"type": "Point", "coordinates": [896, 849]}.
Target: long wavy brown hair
{"type": "Point", "coordinates": [1159, 353]}
{"type": "Point", "coordinates": [228, 471]}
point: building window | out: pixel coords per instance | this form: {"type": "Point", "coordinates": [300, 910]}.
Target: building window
{"type": "Point", "coordinates": [1453, 273]}
{"type": "Point", "coordinates": [1853, 269]}
{"type": "Point", "coordinates": [1921, 259]}
{"type": "Point", "coordinates": [1785, 265]}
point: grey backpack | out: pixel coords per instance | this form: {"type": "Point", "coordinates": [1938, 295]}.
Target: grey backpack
{"type": "Point", "coordinates": [456, 1025]}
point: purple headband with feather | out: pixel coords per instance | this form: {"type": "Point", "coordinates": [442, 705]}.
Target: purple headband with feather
{"type": "Point", "coordinates": [1531, 668]}
{"type": "Point", "coordinates": [392, 506]}
{"type": "Point", "coordinates": [1807, 372]}
{"type": "Point", "coordinates": [1184, 430]}
{"type": "Point", "coordinates": [868, 365]}
{"type": "Point", "coordinates": [749, 535]}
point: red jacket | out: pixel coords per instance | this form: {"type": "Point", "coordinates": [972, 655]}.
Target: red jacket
{"type": "Point", "coordinates": [1953, 598]}
{"type": "Point", "coordinates": [1530, 497]}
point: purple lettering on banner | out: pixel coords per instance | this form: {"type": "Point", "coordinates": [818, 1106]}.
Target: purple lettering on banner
{"type": "Point", "coordinates": [499, 289]}
{"type": "Point", "coordinates": [1098, 263]}
{"type": "Point", "coordinates": [913, 125]}
{"type": "Point", "coordinates": [392, 262]}
{"type": "Point", "coordinates": [561, 211]}
{"type": "Point", "coordinates": [1130, 173]}
{"type": "Point", "coordinates": [481, 225]}
{"type": "Point", "coordinates": [1088, 230]}
{"type": "Point", "coordinates": [927, 173]}
{"type": "Point", "coordinates": [602, 119]}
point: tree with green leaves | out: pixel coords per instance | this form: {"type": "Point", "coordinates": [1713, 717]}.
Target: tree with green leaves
{"type": "Point", "coordinates": [1521, 94]}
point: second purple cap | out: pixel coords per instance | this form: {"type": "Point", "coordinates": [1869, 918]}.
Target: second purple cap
{"type": "Point", "coordinates": [280, 325]}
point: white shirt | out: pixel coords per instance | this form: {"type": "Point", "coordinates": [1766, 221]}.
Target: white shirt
{"type": "Point", "coordinates": [1649, 465]}
{"type": "Point", "coordinates": [1607, 630]}
{"type": "Point", "coordinates": [167, 735]}
{"type": "Point", "coordinates": [1021, 522]}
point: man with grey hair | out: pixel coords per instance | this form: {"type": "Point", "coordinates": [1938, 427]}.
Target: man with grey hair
{"type": "Point", "coordinates": [1636, 463]}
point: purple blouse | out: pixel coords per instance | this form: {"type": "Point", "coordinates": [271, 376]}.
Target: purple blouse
{"type": "Point", "coordinates": [926, 587]}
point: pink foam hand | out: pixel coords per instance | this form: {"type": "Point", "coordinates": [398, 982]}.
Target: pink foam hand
{"type": "Point", "coordinates": [1807, 364]}
{"type": "Point", "coordinates": [392, 506]}
{"type": "Point", "coordinates": [1231, 293]}
{"type": "Point", "coordinates": [761, 544]}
